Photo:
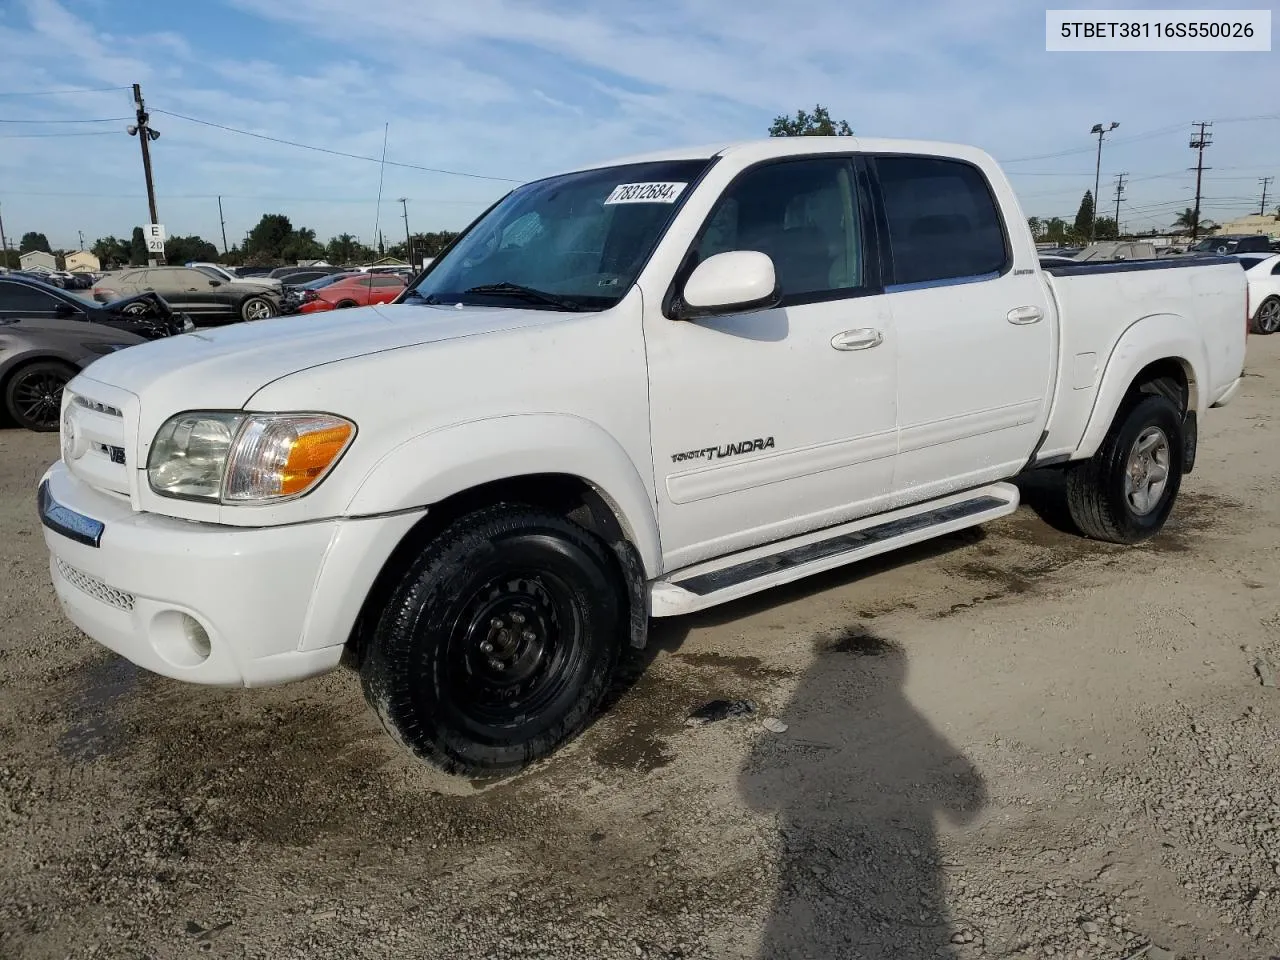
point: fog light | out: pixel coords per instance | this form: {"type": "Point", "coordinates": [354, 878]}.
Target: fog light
{"type": "Point", "coordinates": [180, 638]}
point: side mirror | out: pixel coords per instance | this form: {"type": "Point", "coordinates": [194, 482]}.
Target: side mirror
{"type": "Point", "coordinates": [732, 282]}
{"type": "Point", "coordinates": [64, 310]}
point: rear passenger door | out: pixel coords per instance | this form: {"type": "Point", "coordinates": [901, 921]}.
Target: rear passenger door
{"type": "Point", "coordinates": [384, 288]}
{"type": "Point", "coordinates": [975, 329]}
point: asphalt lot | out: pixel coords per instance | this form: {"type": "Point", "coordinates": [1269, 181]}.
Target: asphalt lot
{"type": "Point", "coordinates": [1009, 743]}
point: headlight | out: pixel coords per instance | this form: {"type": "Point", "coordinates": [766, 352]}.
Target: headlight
{"type": "Point", "coordinates": [245, 458]}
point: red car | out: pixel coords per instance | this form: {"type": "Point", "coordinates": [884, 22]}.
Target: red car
{"type": "Point", "coordinates": [358, 291]}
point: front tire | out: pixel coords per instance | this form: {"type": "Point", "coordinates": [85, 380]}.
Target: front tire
{"type": "Point", "coordinates": [1267, 318]}
{"type": "Point", "coordinates": [257, 308]}
{"type": "Point", "coordinates": [498, 642]}
{"type": "Point", "coordinates": [33, 395]}
{"type": "Point", "coordinates": [1125, 492]}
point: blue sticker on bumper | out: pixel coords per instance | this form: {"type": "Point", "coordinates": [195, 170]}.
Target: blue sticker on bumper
{"type": "Point", "coordinates": [68, 523]}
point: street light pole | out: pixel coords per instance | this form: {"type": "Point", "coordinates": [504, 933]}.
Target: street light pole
{"type": "Point", "coordinates": [1097, 176]}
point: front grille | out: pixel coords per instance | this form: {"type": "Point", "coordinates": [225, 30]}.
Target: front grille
{"type": "Point", "coordinates": [95, 441]}
{"type": "Point", "coordinates": [106, 408]}
{"type": "Point", "coordinates": [95, 588]}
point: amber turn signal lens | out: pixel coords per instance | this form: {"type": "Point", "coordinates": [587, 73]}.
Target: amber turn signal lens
{"type": "Point", "coordinates": [310, 456]}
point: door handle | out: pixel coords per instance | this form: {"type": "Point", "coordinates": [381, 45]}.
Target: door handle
{"type": "Point", "coordinates": [862, 339]}
{"type": "Point", "coordinates": [1025, 315]}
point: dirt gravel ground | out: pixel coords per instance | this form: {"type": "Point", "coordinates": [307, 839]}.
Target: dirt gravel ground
{"type": "Point", "coordinates": [1009, 743]}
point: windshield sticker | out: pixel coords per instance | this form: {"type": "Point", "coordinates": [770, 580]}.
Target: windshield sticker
{"type": "Point", "coordinates": [645, 193]}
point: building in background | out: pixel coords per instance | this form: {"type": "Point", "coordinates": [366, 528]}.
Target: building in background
{"type": "Point", "coordinates": [82, 261]}
{"type": "Point", "coordinates": [37, 261]}
{"type": "Point", "coordinates": [1252, 225]}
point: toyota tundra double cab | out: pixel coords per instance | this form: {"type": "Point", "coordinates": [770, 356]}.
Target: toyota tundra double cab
{"type": "Point", "coordinates": [625, 392]}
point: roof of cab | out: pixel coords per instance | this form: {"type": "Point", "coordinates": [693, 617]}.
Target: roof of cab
{"type": "Point", "coordinates": [751, 151]}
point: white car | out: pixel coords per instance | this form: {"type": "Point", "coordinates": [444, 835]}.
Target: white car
{"type": "Point", "coordinates": [219, 272]}
{"type": "Point", "coordinates": [1263, 273]}
{"type": "Point", "coordinates": [630, 391]}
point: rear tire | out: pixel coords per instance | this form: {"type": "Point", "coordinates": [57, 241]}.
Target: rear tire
{"type": "Point", "coordinates": [344, 304]}
{"type": "Point", "coordinates": [498, 643]}
{"type": "Point", "coordinates": [33, 395]}
{"type": "Point", "coordinates": [1266, 320]}
{"type": "Point", "coordinates": [1125, 492]}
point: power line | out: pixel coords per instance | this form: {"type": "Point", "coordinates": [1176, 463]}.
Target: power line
{"type": "Point", "coordinates": [336, 153]}
{"type": "Point", "coordinates": [51, 93]}
{"type": "Point", "coordinates": [46, 136]}
{"type": "Point", "coordinates": [97, 120]}
{"type": "Point", "coordinates": [232, 196]}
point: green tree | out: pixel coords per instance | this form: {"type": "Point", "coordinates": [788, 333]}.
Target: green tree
{"type": "Point", "coordinates": [267, 240]}
{"type": "Point", "coordinates": [425, 245]}
{"type": "Point", "coordinates": [1084, 216]}
{"type": "Point", "coordinates": [138, 255]}
{"type": "Point", "coordinates": [806, 124]}
{"type": "Point", "coordinates": [1106, 229]}
{"type": "Point", "coordinates": [11, 259]}
{"type": "Point", "coordinates": [1036, 225]}
{"type": "Point", "coordinates": [179, 250]}
{"type": "Point", "coordinates": [34, 241]}
{"type": "Point", "coordinates": [302, 245]}
{"type": "Point", "coordinates": [110, 251]}
{"type": "Point", "coordinates": [344, 248]}
{"type": "Point", "coordinates": [1055, 230]}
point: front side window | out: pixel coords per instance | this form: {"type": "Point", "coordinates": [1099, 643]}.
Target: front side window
{"type": "Point", "coordinates": [17, 296]}
{"type": "Point", "coordinates": [943, 221]}
{"type": "Point", "coordinates": [803, 214]}
{"type": "Point", "coordinates": [580, 239]}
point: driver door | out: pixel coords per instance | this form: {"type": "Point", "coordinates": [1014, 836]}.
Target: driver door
{"type": "Point", "coordinates": [772, 423]}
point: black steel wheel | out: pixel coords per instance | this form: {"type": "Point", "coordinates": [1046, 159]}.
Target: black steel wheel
{"type": "Point", "coordinates": [498, 642]}
{"type": "Point", "coordinates": [33, 395]}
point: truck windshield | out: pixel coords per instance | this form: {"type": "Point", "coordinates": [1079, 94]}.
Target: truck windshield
{"type": "Point", "coordinates": [573, 242]}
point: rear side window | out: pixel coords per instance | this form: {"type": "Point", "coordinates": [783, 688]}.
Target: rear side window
{"type": "Point", "coordinates": [16, 296]}
{"type": "Point", "coordinates": [943, 221]}
{"type": "Point", "coordinates": [388, 282]}
{"type": "Point", "coordinates": [1275, 271]}
{"type": "Point", "coordinates": [1249, 263]}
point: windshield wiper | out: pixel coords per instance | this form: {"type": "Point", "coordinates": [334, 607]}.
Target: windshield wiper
{"type": "Point", "coordinates": [505, 289]}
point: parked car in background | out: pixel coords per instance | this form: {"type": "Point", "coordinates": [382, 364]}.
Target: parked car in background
{"type": "Point", "coordinates": [296, 275]}
{"type": "Point", "coordinates": [146, 314]}
{"type": "Point", "coordinates": [219, 272]}
{"type": "Point", "coordinates": [295, 296]}
{"type": "Point", "coordinates": [207, 299]}
{"type": "Point", "coordinates": [360, 290]}
{"type": "Point", "coordinates": [1231, 244]}
{"type": "Point", "coordinates": [1263, 273]}
{"type": "Point", "coordinates": [251, 271]}
{"type": "Point", "coordinates": [1116, 250]}
{"type": "Point", "coordinates": [39, 356]}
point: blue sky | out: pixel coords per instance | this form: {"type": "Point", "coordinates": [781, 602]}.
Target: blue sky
{"type": "Point", "coordinates": [521, 88]}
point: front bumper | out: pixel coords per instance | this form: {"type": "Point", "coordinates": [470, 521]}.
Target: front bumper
{"type": "Point", "coordinates": [207, 603]}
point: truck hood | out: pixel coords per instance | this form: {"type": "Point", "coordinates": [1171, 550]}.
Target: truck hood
{"type": "Point", "coordinates": [222, 368]}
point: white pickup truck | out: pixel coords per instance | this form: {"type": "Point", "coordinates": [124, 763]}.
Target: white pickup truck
{"type": "Point", "coordinates": [630, 391]}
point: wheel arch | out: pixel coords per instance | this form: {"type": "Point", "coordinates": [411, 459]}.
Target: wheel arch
{"type": "Point", "coordinates": [1161, 354]}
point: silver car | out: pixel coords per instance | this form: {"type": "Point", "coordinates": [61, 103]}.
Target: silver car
{"type": "Point", "coordinates": [208, 300]}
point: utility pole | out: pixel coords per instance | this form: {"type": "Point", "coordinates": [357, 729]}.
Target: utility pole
{"type": "Point", "coordinates": [142, 130]}
{"type": "Point", "coordinates": [81, 234]}
{"type": "Point", "coordinates": [1199, 140]}
{"type": "Point", "coordinates": [223, 221]}
{"type": "Point", "coordinates": [1262, 207]}
{"type": "Point", "coordinates": [4, 246]}
{"type": "Point", "coordinates": [1119, 195]}
{"type": "Point", "coordinates": [408, 243]}
{"type": "Point", "coordinates": [1097, 174]}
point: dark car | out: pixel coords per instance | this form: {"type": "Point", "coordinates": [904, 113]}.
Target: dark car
{"type": "Point", "coordinates": [147, 315]}
{"type": "Point", "coordinates": [291, 274]}
{"type": "Point", "coordinates": [1229, 244]}
{"type": "Point", "coordinates": [39, 356]}
{"type": "Point", "coordinates": [251, 271]}
{"type": "Point", "coordinates": [206, 299]}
